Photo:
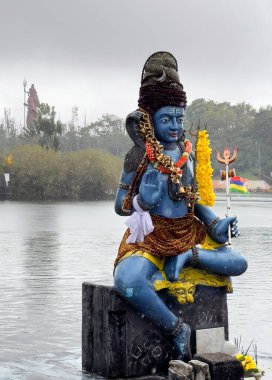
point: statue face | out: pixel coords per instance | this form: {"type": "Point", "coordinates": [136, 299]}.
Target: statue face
{"type": "Point", "coordinates": [168, 124]}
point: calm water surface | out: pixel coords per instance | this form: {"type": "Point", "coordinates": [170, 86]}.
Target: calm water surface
{"type": "Point", "coordinates": [48, 250]}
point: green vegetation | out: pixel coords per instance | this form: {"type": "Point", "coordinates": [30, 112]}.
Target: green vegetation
{"type": "Point", "coordinates": [45, 130]}
{"type": "Point", "coordinates": [84, 162]}
{"type": "Point", "coordinates": [39, 174]}
{"type": "Point", "coordinates": [239, 126]}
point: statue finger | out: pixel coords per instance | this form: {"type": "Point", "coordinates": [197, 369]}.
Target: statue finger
{"type": "Point", "coordinates": [234, 221]}
{"type": "Point", "coordinates": [235, 232]}
{"type": "Point", "coordinates": [159, 186]}
{"type": "Point", "coordinates": [234, 228]}
{"type": "Point", "coordinates": [152, 177]}
{"type": "Point", "coordinates": [146, 178]}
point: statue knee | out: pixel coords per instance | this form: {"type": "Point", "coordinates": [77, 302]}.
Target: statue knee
{"type": "Point", "coordinates": [128, 279]}
{"type": "Point", "coordinates": [240, 266]}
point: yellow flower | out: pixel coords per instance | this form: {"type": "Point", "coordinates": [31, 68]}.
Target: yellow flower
{"type": "Point", "coordinates": [247, 362]}
{"type": "Point", "coordinates": [249, 365]}
{"type": "Point", "coordinates": [204, 170]}
{"type": "Point", "coordinates": [248, 358]}
{"type": "Point", "coordinates": [240, 357]}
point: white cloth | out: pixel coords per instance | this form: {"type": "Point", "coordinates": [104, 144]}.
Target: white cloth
{"type": "Point", "coordinates": [139, 224]}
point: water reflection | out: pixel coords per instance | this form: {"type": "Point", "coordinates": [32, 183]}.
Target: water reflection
{"type": "Point", "coordinates": [48, 250]}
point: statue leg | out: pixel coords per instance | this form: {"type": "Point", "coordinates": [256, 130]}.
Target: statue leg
{"type": "Point", "coordinates": [132, 280]}
{"type": "Point", "coordinates": [223, 260]}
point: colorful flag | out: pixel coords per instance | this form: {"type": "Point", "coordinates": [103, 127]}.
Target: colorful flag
{"type": "Point", "coordinates": [237, 185]}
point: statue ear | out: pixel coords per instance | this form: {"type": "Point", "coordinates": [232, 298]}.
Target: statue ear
{"type": "Point", "coordinates": [133, 128]}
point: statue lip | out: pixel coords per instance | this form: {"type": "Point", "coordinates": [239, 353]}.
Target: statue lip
{"type": "Point", "coordinates": [173, 134]}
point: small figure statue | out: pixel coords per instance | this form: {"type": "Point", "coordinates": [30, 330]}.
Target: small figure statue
{"type": "Point", "coordinates": [157, 190]}
{"type": "Point", "coordinates": [32, 103]}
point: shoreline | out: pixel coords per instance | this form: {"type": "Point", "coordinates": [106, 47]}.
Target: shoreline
{"type": "Point", "coordinates": [251, 197]}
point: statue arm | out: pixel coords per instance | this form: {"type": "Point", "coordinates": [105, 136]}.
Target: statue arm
{"type": "Point", "coordinates": [204, 213]}
{"type": "Point", "coordinates": [125, 181]}
{"type": "Point", "coordinates": [217, 228]}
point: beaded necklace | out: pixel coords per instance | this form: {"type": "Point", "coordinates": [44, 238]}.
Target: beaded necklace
{"type": "Point", "coordinates": [178, 164]}
{"type": "Point", "coordinates": [161, 162]}
{"type": "Point", "coordinates": [178, 191]}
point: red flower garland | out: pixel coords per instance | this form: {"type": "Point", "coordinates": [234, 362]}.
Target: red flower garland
{"type": "Point", "coordinates": [181, 161]}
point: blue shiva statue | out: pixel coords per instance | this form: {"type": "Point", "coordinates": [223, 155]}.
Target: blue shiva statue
{"type": "Point", "coordinates": [157, 190]}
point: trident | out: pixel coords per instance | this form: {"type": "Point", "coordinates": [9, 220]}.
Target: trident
{"type": "Point", "coordinates": [225, 175]}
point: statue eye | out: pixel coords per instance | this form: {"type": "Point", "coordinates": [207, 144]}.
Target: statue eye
{"type": "Point", "coordinates": [165, 120]}
{"type": "Point", "coordinates": [179, 120]}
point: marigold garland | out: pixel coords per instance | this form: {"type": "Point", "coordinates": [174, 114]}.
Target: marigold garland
{"type": "Point", "coordinates": [204, 169]}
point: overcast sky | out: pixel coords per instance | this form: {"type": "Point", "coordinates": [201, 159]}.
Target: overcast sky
{"type": "Point", "coordinates": [90, 53]}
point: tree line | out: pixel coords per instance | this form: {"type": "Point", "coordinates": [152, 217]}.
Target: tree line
{"type": "Point", "coordinates": [241, 126]}
{"type": "Point", "coordinates": [39, 174]}
{"type": "Point", "coordinates": [52, 160]}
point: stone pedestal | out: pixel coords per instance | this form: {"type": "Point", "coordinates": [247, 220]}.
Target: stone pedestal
{"type": "Point", "coordinates": [118, 342]}
{"type": "Point", "coordinates": [222, 366]}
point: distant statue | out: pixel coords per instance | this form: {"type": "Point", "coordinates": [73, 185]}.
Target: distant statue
{"type": "Point", "coordinates": [32, 104]}
{"type": "Point", "coordinates": [167, 222]}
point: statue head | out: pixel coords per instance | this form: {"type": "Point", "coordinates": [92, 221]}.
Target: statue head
{"type": "Point", "coordinates": [183, 291]}
{"type": "Point", "coordinates": [160, 83]}
{"type": "Point", "coordinates": [168, 124]}
{"type": "Point", "coordinates": [160, 88]}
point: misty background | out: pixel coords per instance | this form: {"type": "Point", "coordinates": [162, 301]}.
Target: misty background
{"type": "Point", "coordinates": [90, 53]}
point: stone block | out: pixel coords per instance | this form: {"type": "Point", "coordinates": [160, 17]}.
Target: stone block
{"type": "Point", "coordinates": [210, 340]}
{"type": "Point", "coordinates": [222, 366]}
{"type": "Point", "coordinates": [201, 370]}
{"type": "Point", "coordinates": [119, 342]}
{"type": "Point", "coordinates": [178, 370]}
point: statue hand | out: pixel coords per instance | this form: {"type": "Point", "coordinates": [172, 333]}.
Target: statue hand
{"type": "Point", "coordinates": [150, 188]}
{"type": "Point", "coordinates": [219, 232]}
{"type": "Point", "coordinates": [174, 265]}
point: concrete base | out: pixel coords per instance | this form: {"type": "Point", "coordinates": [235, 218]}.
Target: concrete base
{"type": "Point", "coordinates": [222, 366]}
{"type": "Point", "coordinates": [118, 342]}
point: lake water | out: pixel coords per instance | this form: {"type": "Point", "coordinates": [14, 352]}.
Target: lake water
{"type": "Point", "coordinates": [48, 249]}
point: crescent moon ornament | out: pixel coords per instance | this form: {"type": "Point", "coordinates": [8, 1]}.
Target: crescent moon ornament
{"type": "Point", "coordinates": [162, 78]}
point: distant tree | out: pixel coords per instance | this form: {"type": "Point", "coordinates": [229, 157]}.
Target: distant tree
{"type": "Point", "coordinates": [228, 125]}
{"type": "Point", "coordinates": [262, 137]}
{"type": "Point", "coordinates": [45, 130]}
{"type": "Point", "coordinates": [70, 139]}
{"type": "Point", "coordinates": [107, 133]}
{"type": "Point", "coordinates": [8, 130]}
{"type": "Point", "coordinates": [9, 124]}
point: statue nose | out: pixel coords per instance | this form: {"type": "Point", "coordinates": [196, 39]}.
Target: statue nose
{"type": "Point", "coordinates": [174, 125]}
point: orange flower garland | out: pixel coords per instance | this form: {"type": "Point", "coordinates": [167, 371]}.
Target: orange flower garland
{"type": "Point", "coordinates": [154, 149]}
{"type": "Point", "coordinates": [181, 161]}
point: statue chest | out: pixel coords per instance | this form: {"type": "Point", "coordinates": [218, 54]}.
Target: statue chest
{"type": "Point", "coordinates": [171, 204]}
